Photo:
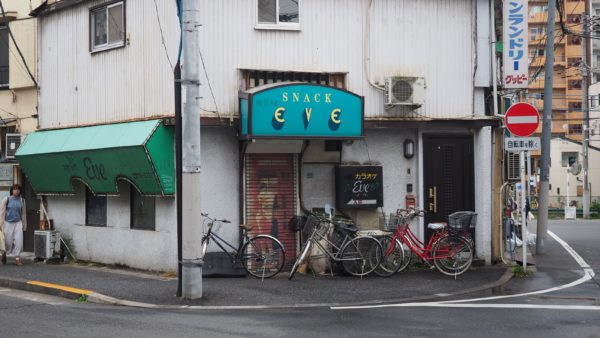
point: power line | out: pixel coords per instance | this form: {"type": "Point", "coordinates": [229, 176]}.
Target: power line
{"type": "Point", "coordinates": [17, 46]}
{"type": "Point", "coordinates": [162, 36]}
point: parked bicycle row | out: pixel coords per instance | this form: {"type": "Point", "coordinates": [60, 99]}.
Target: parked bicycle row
{"type": "Point", "coordinates": [450, 248]}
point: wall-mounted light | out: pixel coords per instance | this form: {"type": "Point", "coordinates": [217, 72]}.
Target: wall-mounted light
{"type": "Point", "coordinates": [409, 148]}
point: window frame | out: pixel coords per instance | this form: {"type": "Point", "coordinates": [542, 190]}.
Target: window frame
{"type": "Point", "coordinates": [88, 193]}
{"type": "Point", "coordinates": [292, 26]}
{"type": "Point", "coordinates": [107, 46]}
{"type": "Point", "coordinates": [6, 85]}
{"type": "Point", "coordinates": [132, 193]}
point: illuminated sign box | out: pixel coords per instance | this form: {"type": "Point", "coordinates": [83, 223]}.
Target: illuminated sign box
{"type": "Point", "coordinates": [301, 110]}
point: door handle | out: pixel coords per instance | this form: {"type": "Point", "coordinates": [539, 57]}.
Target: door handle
{"type": "Point", "coordinates": [433, 194]}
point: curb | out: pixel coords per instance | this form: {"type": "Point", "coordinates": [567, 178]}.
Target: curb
{"type": "Point", "coordinates": [98, 298]}
{"type": "Point", "coordinates": [44, 288]}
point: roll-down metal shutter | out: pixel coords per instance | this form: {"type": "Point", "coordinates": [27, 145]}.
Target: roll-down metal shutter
{"type": "Point", "coordinates": [270, 197]}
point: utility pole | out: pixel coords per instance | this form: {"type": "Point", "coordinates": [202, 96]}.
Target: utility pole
{"type": "Point", "coordinates": [542, 226]}
{"type": "Point", "coordinates": [192, 232]}
{"type": "Point", "coordinates": [587, 57]}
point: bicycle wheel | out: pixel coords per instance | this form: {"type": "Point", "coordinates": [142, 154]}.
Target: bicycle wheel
{"type": "Point", "coordinates": [301, 258]}
{"type": "Point", "coordinates": [361, 256]}
{"type": "Point", "coordinates": [393, 256]}
{"type": "Point", "coordinates": [263, 256]}
{"type": "Point", "coordinates": [452, 255]}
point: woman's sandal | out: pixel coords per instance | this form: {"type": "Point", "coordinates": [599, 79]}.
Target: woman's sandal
{"type": "Point", "coordinates": [18, 262]}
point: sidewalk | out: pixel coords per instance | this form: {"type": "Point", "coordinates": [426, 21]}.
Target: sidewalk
{"type": "Point", "coordinates": [127, 287]}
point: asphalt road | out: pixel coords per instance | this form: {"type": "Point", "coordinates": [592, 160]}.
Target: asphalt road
{"type": "Point", "coordinates": [570, 312]}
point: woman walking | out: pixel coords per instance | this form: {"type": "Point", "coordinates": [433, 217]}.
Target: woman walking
{"type": "Point", "coordinates": [13, 222]}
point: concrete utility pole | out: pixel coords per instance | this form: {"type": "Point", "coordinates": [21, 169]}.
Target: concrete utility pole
{"type": "Point", "coordinates": [542, 226]}
{"type": "Point", "coordinates": [587, 57]}
{"type": "Point", "coordinates": [192, 232]}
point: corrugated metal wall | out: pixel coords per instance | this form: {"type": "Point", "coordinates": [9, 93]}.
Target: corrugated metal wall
{"type": "Point", "coordinates": [271, 192]}
{"type": "Point", "coordinates": [134, 82]}
{"type": "Point", "coordinates": [432, 38]}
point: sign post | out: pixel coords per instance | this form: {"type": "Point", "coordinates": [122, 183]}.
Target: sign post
{"type": "Point", "coordinates": [522, 119]}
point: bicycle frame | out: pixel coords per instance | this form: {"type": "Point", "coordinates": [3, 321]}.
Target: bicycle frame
{"type": "Point", "coordinates": [219, 241]}
{"type": "Point", "coordinates": [315, 238]}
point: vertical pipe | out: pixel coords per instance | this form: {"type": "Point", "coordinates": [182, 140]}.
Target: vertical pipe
{"type": "Point", "coordinates": [179, 197]}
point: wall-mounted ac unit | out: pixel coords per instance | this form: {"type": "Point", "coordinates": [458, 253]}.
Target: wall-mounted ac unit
{"type": "Point", "coordinates": [513, 170]}
{"type": "Point", "coordinates": [407, 91]}
{"type": "Point", "coordinates": [44, 243]}
{"type": "Point", "coordinates": [13, 141]}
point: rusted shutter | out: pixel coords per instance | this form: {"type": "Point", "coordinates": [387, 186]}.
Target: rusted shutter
{"type": "Point", "coordinates": [270, 197]}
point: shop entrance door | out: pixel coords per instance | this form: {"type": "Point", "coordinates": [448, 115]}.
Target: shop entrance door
{"type": "Point", "coordinates": [33, 207]}
{"type": "Point", "coordinates": [448, 176]}
{"type": "Point", "coordinates": [270, 192]}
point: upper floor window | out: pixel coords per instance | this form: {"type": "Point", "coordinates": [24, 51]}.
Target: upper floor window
{"type": "Point", "coordinates": [107, 26]}
{"type": "Point", "coordinates": [3, 57]}
{"type": "Point", "coordinates": [278, 13]}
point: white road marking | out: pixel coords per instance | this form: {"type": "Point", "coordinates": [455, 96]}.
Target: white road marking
{"type": "Point", "coordinates": [588, 275]}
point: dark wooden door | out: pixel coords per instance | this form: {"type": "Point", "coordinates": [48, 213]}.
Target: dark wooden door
{"type": "Point", "coordinates": [33, 217]}
{"type": "Point", "coordinates": [448, 176]}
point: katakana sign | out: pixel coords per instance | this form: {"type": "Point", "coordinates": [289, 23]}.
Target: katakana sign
{"type": "Point", "coordinates": [515, 38]}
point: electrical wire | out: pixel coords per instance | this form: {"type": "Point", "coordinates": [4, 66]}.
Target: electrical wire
{"type": "Point", "coordinates": [162, 36]}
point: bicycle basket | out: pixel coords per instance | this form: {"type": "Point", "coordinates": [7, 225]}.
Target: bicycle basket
{"type": "Point", "coordinates": [313, 222]}
{"type": "Point", "coordinates": [462, 220]}
{"type": "Point", "coordinates": [391, 224]}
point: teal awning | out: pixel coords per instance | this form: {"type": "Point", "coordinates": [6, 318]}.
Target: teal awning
{"type": "Point", "coordinates": [139, 152]}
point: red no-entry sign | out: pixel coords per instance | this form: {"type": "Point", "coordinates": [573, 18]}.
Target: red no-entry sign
{"type": "Point", "coordinates": [522, 119]}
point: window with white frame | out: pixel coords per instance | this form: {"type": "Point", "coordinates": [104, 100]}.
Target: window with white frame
{"type": "Point", "coordinates": [278, 13]}
{"type": "Point", "coordinates": [107, 26]}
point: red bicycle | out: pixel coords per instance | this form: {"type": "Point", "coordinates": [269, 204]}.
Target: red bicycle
{"type": "Point", "coordinates": [450, 252]}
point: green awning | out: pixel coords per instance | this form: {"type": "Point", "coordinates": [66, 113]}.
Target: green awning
{"type": "Point", "coordinates": [139, 152]}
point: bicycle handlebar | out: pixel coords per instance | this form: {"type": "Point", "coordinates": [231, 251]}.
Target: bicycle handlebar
{"type": "Point", "coordinates": [204, 214]}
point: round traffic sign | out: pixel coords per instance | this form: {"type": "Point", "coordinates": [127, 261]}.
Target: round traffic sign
{"type": "Point", "coordinates": [522, 119]}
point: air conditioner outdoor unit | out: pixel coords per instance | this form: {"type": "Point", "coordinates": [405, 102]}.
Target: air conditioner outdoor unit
{"type": "Point", "coordinates": [513, 169]}
{"type": "Point", "coordinates": [407, 91]}
{"type": "Point", "coordinates": [13, 141]}
{"type": "Point", "coordinates": [44, 243]}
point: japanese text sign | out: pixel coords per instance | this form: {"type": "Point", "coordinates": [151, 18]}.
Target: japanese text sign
{"type": "Point", "coordinates": [515, 37]}
{"type": "Point", "coordinates": [515, 144]}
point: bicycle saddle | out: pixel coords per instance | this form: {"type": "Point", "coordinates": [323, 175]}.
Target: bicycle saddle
{"type": "Point", "coordinates": [436, 226]}
{"type": "Point", "coordinates": [247, 227]}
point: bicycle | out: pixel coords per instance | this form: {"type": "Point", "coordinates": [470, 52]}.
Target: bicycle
{"type": "Point", "coordinates": [359, 256]}
{"type": "Point", "coordinates": [263, 256]}
{"type": "Point", "coordinates": [450, 251]}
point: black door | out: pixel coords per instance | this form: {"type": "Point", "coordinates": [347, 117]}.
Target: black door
{"type": "Point", "coordinates": [449, 182]}
{"type": "Point", "coordinates": [33, 217]}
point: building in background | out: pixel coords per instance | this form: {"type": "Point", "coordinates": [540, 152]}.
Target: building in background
{"type": "Point", "coordinates": [567, 79]}
{"type": "Point", "coordinates": [18, 97]}
{"type": "Point", "coordinates": [566, 187]}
